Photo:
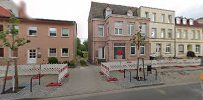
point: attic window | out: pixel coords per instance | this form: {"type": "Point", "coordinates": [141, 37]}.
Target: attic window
{"type": "Point", "coordinates": [184, 21]}
{"type": "Point", "coordinates": [191, 21]}
{"type": "Point", "coordinates": [108, 11]}
{"type": "Point", "coordinates": [177, 20]}
{"type": "Point", "coordinates": [130, 13]}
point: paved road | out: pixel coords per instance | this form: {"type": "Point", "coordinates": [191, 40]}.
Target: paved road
{"type": "Point", "coordinates": [180, 92]}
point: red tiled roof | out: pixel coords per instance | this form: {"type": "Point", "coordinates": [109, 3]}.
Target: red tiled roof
{"type": "Point", "coordinates": [4, 12]}
{"type": "Point", "coordinates": [195, 24]}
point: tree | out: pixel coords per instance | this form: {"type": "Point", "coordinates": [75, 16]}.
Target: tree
{"type": "Point", "coordinates": [85, 43]}
{"type": "Point", "coordinates": [11, 40]}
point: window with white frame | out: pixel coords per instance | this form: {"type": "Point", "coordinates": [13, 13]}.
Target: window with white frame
{"type": "Point", "coordinates": [197, 48]}
{"type": "Point", "coordinates": [119, 28]}
{"type": "Point", "coordinates": [191, 21]}
{"type": "Point", "coordinates": [52, 32]}
{"type": "Point", "coordinates": [142, 49]}
{"type": "Point", "coordinates": [131, 29]}
{"type": "Point", "coordinates": [184, 35]}
{"type": "Point", "coordinates": [168, 48]}
{"type": "Point", "coordinates": [143, 29]}
{"type": "Point", "coordinates": [184, 21]}
{"type": "Point", "coordinates": [178, 34]}
{"type": "Point", "coordinates": [194, 34]}
{"type": "Point", "coordinates": [64, 52]}
{"type": "Point", "coordinates": [108, 11]}
{"type": "Point", "coordinates": [181, 48]}
{"type": "Point", "coordinates": [146, 14]}
{"type": "Point", "coordinates": [32, 31]}
{"type": "Point", "coordinates": [162, 18]}
{"type": "Point", "coordinates": [153, 17]}
{"type": "Point", "coordinates": [65, 32]}
{"type": "Point", "coordinates": [170, 31]}
{"type": "Point", "coordinates": [52, 52]}
{"type": "Point", "coordinates": [100, 30]}
{"type": "Point", "coordinates": [133, 49]}
{"type": "Point", "coordinates": [154, 33]}
{"type": "Point", "coordinates": [177, 20]}
{"type": "Point", "coordinates": [163, 33]}
{"type": "Point", "coordinates": [170, 18]}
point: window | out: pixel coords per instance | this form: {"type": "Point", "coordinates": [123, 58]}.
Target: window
{"type": "Point", "coordinates": [181, 48]}
{"type": "Point", "coordinates": [177, 20]}
{"type": "Point", "coordinates": [153, 17]}
{"type": "Point", "coordinates": [154, 33]}
{"type": "Point", "coordinates": [142, 49]}
{"type": "Point", "coordinates": [194, 34]}
{"type": "Point", "coordinates": [184, 35]}
{"type": "Point", "coordinates": [32, 31]}
{"type": "Point", "coordinates": [169, 18]}
{"type": "Point", "coordinates": [101, 30]}
{"type": "Point", "coordinates": [168, 48]}
{"type": "Point", "coordinates": [198, 35]}
{"type": "Point", "coordinates": [163, 18]}
{"type": "Point", "coordinates": [130, 13]}
{"type": "Point", "coordinates": [108, 11]}
{"type": "Point", "coordinates": [197, 48]}
{"type": "Point", "coordinates": [146, 14]}
{"type": "Point", "coordinates": [117, 48]}
{"type": "Point", "coordinates": [163, 32]}
{"type": "Point", "coordinates": [133, 49]}
{"type": "Point", "coordinates": [119, 28]}
{"type": "Point", "coordinates": [1, 52]}
{"type": "Point", "coordinates": [170, 31]}
{"type": "Point", "coordinates": [143, 29]}
{"type": "Point", "coordinates": [184, 21]}
{"type": "Point", "coordinates": [101, 53]}
{"type": "Point", "coordinates": [131, 29]}
{"type": "Point", "coordinates": [65, 32]}
{"type": "Point", "coordinates": [64, 52]}
{"type": "Point", "coordinates": [178, 34]}
{"type": "Point", "coordinates": [191, 22]}
{"type": "Point", "coordinates": [52, 52]}
{"type": "Point", "coordinates": [52, 32]}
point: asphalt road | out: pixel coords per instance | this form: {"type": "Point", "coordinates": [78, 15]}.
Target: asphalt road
{"type": "Point", "coordinates": [179, 92]}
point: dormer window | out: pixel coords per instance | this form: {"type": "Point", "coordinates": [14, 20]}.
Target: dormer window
{"type": "Point", "coordinates": [130, 13]}
{"type": "Point", "coordinates": [108, 11]}
{"type": "Point", "coordinates": [177, 20]}
{"type": "Point", "coordinates": [184, 21]}
{"type": "Point", "coordinates": [191, 21]}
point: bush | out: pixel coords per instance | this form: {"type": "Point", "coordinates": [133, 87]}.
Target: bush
{"type": "Point", "coordinates": [72, 64]}
{"type": "Point", "coordinates": [52, 60]}
{"type": "Point", "coordinates": [190, 54]}
{"type": "Point", "coordinates": [79, 52]}
{"type": "Point", "coordinates": [83, 63]}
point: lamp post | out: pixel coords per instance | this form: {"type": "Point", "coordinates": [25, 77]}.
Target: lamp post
{"type": "Point", "coordinates": [138, 39]}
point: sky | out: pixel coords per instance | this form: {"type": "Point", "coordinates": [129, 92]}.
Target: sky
{"type": "Point", "coordinates": [78, 10]}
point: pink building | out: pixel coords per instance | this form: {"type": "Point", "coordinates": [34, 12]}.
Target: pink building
{"type": "Point", "coordinates": [110, 28]}
{"type": "Point", "coordinates": [49, 38]}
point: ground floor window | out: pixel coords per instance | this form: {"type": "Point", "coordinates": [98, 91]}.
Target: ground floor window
{"type": "Point", "coordinates": [1, 52]}
{"type": "Point", "coordinates": [133, 49]}
{"type": "Point", "coordinates": [142, 49]}
{"type": "Point", "coordinates": [101, 53]}
{"type": "Point", "coordinates": [181, 48]}
{"type": "Point", "coordinates": [168, 48]}
{"type": "Point", "coordinates": [197, 48]}
{"type": "Point", "coordinates": [64, 52]}
{"type": "Point", "coordinates": [119, 48]}
{"type": "Point", "coordinates": [52, 52]}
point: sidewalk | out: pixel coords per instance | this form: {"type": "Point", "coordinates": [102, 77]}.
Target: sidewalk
{"type": "Point", "coordinates": [84, 80]}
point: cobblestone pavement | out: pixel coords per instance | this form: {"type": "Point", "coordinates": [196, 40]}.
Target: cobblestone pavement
{"type": "Point", "coordinates": [86, 80]}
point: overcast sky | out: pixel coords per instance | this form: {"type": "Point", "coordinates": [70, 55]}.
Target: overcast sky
{"type": "Point", "coordinates": [78, 10]}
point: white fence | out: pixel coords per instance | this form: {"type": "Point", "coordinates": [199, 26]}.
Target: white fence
{"type": "Point", "coordinates": [112, 66]}
{"type": "Point", "coordinates": [59, 69]}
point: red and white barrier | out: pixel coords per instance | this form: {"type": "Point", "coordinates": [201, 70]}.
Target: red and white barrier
{"type": "Point", "coordinates": [63, 73]}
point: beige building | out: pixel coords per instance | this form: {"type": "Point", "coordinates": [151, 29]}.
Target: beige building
{"type": "Point", "coordinates": [189, 36]}
{"type": "Point", "coordinates": [161, 30]}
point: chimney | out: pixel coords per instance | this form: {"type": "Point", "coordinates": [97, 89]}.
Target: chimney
{"type": "Point", "coordinates": [22, 10]}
